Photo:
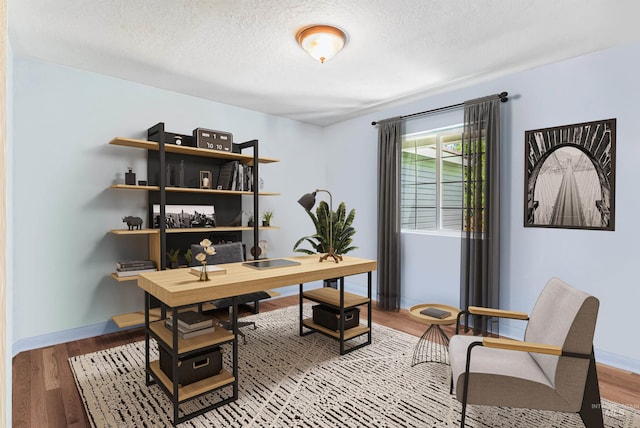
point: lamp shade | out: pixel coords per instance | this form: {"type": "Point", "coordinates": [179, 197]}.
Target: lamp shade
{"type": "Point", "coordinates": [308, 200]}
{"type": "Point", "coordinates": [322, 42]}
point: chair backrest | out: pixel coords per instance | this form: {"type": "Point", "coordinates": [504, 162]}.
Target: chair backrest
{"type": "Point", "coordinates": [225, 253]}
{"type": "Point", "coordinates": [565, 317]}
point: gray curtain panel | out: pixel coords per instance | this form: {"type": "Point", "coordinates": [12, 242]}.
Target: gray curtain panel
{"type": "Point", "coordinates": [480, 258]}
{"type": "Point", "coordinates": [389, 157]}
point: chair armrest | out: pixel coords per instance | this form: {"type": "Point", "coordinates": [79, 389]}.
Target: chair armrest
{"type": "Point", "coordinates": [516, 345]}
{"type": "Point", "coordinates": [476, 310]}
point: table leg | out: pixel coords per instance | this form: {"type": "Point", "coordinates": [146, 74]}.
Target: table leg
{"type": "Point", "coordinates": [432, 347]}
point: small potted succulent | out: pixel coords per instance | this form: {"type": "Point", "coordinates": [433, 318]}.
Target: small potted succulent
{"type": "Point", "coordinates": [188, 256]}
{"type": "Point", "coordinates": [250, 221]}
{"type": "Point", "coordinates": [266, 218]}
{"type": "Point", "coordinates": [173, 258]}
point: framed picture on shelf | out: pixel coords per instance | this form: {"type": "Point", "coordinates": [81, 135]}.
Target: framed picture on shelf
{"type": "Point", "coordinates": [185, 216]}
{"type": "Point", "coordinates": [205, 179]}
{"type": "Point", "coordinates": [570, 176]}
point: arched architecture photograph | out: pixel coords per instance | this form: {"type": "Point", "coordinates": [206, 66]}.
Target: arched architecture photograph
{"type": "Point", "coordinates": [570, 176]}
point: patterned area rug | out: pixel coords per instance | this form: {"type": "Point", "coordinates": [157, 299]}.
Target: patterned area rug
{"type": "Point", "coordinates": [292, 381]}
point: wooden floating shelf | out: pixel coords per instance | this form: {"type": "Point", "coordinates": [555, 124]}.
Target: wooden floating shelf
{"type": "Point", "coordinates": [185, 150]}
{"type": "Point", "coordinates": [134, 232]}
{"type": "Point", "coordinates": [190, 190]}
{"type": "Point", "coordinates": [189, 391]}
{"type": "Point", "coordinates": [135, 318]}
{"type": "Point", "coordinates": [191, 230]}
{"type": "Point", "coordinates": [124, 278]}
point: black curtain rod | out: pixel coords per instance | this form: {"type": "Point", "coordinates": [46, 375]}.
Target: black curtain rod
{"type": "Point", "coordinates": [502, 95]}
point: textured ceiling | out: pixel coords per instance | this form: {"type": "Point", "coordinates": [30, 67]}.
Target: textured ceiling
{"type": "Point", "coordinates": [244, 52]}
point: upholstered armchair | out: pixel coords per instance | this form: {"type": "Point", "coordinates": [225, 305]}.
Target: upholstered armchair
{"type": "Point", "coordinates": [552, 369]}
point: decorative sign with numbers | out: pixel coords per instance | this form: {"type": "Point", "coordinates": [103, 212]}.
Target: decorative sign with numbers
{"type": "Point", "coordinates": [213, 140]}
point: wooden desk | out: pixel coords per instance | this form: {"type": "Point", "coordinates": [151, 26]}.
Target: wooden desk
{"type": "Point", "coordinates": [179, 288]}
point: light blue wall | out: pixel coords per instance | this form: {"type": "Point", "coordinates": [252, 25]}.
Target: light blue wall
{"type": "Point", "coordinates": [63, 208]}
{"type": "Point", "coordinates": [602, 85]}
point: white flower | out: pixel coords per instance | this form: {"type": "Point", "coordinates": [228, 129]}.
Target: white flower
{"type": "Point", "coordinates": [205, 243]}
{"type": "Point", "coordinates": [201, 257]}
{"type": "Point", "coordinates": [210, 251]}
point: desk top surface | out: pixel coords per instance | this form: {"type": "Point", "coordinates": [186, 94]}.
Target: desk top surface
{"type": "Point", "coordinates": [178, 287]}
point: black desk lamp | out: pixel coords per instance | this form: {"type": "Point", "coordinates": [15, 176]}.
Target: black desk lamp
{"type": "Point", "coordinates": [308, 200]}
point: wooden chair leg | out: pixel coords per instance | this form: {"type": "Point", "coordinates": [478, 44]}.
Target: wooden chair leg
{"type": "Point", "coordinates": [591, 410]}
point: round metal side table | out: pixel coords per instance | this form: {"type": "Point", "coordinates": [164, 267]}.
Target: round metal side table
{"type": "Point", "coordinates": [433, 346]}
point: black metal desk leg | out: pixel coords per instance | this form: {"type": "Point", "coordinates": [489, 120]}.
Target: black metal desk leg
{"type": "Point", "coordinates": [175, 364]}
{"type": "Point", "coordinates": [234, 325]}
{"type": "Point", "coordinates": [341, 316]}
{"type": "Point", "coordinates": [147, 365]}
{"type": "Point", "coordinates": [369, 312]}
{"type": "Point", "coordinates": [301, 314]}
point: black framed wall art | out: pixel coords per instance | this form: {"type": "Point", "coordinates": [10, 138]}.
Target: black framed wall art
{"type": "Point", "coordinates": [570, 176]}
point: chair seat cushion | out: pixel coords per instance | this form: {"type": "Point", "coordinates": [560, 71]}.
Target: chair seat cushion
{"type": "Point", "coordinates": [502, 377]}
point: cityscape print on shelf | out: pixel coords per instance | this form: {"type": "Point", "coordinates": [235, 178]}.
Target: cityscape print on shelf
{"type": "Point", "coordinates": [185, 216]}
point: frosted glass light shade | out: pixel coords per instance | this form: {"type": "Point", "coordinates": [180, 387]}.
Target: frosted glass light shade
{"type": "Point", "coordinates": [322, 42]}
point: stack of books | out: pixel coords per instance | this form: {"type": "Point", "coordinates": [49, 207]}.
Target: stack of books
{"type": "Point", "coordinates": [192, 324]}
{"type": "Point", "coordinates": [211, 270]}
{"type": "Point", "coordinates": [435, 313]}
{"type": "Point", "coordinates": [235, 176]}
{"type": "Point", "coordinates": [134, 267]}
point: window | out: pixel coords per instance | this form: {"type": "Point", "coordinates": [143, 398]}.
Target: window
{"type": "Point", "coordinates": [431, 181]}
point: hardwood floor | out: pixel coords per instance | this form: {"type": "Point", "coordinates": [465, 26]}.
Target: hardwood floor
{"type": "Point", "coordinates": [45, 394]}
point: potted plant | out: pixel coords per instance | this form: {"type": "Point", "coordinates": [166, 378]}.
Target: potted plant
{"type": "Point", "coordinates": [342, 233]}
{"type": "Point", "coordinates": [250, 221]}
{"type": "Point", "coordinates": [266, 218]}
{"type": "Point", "coordinates": [173, 258]}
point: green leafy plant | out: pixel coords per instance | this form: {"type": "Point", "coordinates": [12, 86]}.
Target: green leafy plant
{"type": "Point", "coordinates": [188, 256]}
{"type": "Point", "coordinates": [342, 231]}
{"type": "Point", "coordinates": [173, 255]}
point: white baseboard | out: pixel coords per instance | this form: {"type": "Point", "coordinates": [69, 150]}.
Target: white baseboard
{"type": "Point", "coordinates": [65, 336]}
{"type": "Point", "coordinates": [617, 361]}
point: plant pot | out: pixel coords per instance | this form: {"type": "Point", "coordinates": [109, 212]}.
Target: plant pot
{"type": "Point", "coordinates": [173, 265]}
{"type": "Point", "coordinates": [265, 223]}
{"type": "Point", "coordinates": [250, 224]}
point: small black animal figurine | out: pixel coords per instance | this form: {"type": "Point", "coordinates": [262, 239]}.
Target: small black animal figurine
{"type": "Point", "coordinates": [132, 222]}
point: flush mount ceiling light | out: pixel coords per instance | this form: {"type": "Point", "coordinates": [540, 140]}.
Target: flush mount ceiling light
{"type": "Point", "coordinates": [322, 42]}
